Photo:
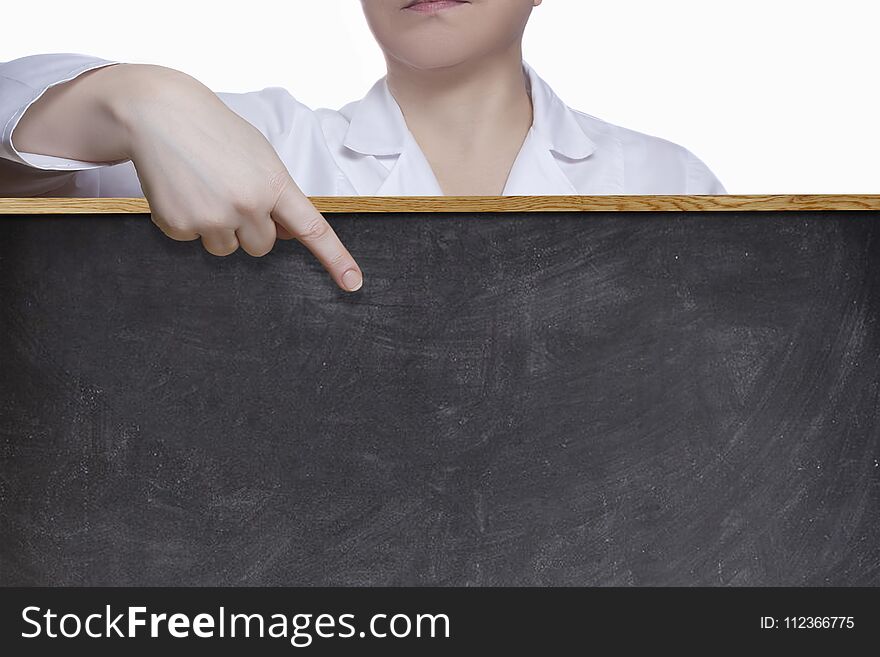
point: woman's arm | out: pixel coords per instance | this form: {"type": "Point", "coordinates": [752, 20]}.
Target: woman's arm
{"type": "Point", "coordinates": [205, 171]}
{"type": "Point", "coordinates": [83, 119]}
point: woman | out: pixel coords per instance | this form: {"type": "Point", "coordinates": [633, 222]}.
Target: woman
{"type": "Point", "coordinates": [459, 112]}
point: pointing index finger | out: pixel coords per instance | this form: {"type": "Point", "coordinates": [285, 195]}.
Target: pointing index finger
{"type": "Point", "coordinates": [298, 215]}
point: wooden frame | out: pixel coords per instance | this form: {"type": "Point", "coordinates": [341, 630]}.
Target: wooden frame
{"type": "Point", "coordinates": [356, 204]}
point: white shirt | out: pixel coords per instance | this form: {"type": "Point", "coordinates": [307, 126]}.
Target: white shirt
{"type": "Point", "coordinates": [364, 148]}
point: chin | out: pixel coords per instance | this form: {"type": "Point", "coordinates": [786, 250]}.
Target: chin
{"type": "Point", "coordinates": [434, 53]}
{"type": "Point", "coordinates": [423, 63]}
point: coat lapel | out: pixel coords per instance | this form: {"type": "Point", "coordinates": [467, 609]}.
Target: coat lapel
{"type": "Point", "coordinates": [535, 171]}
{"type": "Point", "coordinates": [377, 128]}
{"type": "Point", "coordinates": [411, 174]}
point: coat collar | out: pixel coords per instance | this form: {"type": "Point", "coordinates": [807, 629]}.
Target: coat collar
{"type": "Point", "coordinates": [377, 127]}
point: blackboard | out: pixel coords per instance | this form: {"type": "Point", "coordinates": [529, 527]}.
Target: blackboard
{"type": "Point", "coordinates": [564, 398]}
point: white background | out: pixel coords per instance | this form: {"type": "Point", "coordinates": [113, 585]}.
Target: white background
{"type": "Point", "coordinates": [776, 96]}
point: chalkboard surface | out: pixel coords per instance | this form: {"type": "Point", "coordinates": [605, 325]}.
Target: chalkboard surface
{"type": "Point", "coordinates": [554, 399]}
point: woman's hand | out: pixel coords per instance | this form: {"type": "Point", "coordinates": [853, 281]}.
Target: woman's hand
{"type": "Point", "coordinates": [205, 171]}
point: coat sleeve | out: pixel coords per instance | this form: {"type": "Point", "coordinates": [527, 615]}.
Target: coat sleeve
{"type": "Point", "coordinates": [22, 82]}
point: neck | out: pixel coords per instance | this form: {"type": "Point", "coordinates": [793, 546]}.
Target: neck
{"type": "Point", "coordinates": [466, 107]}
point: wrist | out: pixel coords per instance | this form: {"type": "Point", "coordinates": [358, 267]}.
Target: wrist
{"type": "Point", "coordinates": [133, 95]}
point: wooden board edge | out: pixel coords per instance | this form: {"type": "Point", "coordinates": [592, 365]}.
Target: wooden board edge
{"type": "Point", "coordinates": [489, 204]}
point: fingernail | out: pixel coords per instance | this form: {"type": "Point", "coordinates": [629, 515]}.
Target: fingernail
{"type": "Point", "coordinates": [352, 280]}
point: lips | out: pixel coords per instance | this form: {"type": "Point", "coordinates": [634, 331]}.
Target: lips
{"type": "Point", "coordinates": [429, 6]}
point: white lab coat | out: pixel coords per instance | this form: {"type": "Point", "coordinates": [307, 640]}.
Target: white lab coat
{"type": "Point", "coordinates": [364, 148]}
